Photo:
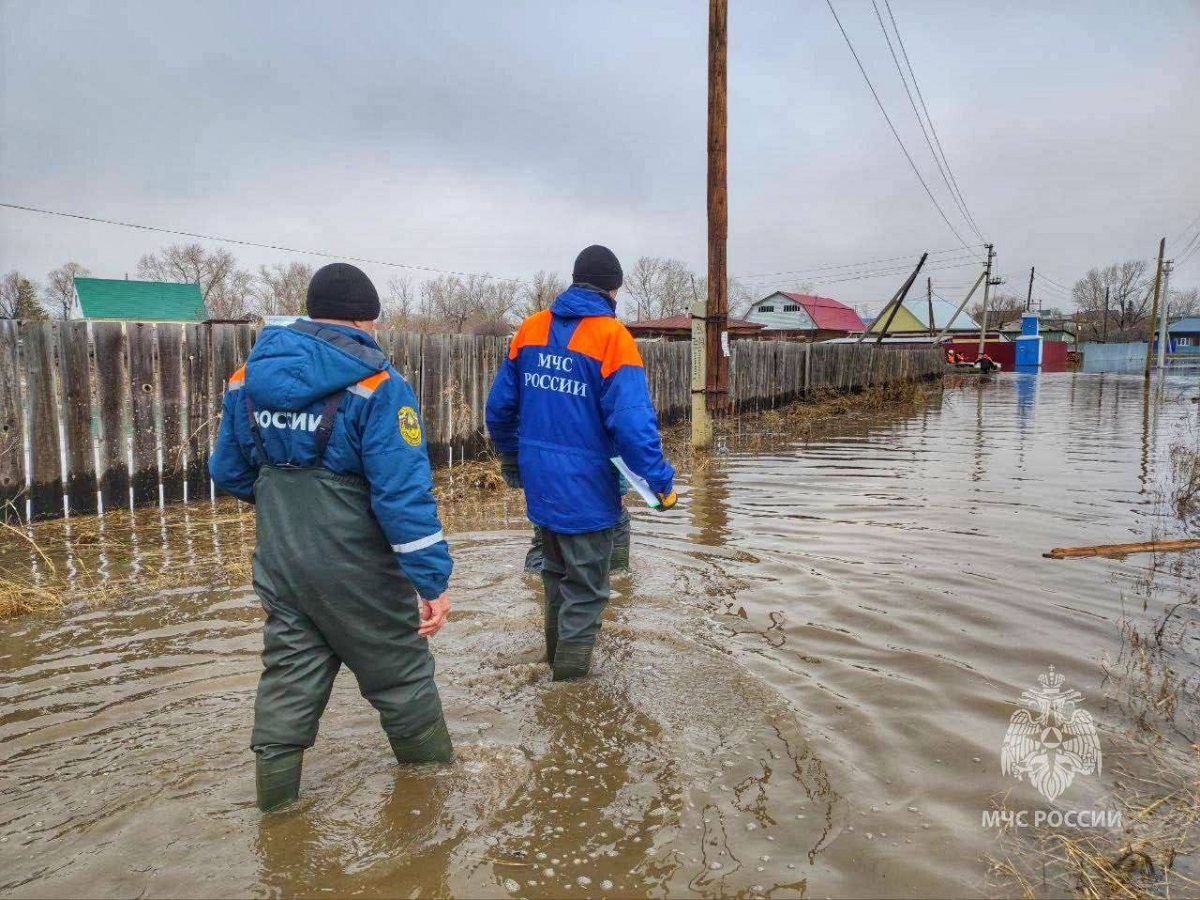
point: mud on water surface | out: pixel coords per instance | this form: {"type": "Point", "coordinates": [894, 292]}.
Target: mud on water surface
{"type": "Point", "coordinates": [801, 690]}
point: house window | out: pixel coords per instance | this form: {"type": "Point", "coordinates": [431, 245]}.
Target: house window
{"type": "Point", "coordinates": [766, 309]}
{"type": "Point", "coordinates": [791, 307]}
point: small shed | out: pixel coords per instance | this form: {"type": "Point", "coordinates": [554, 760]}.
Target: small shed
{"type": "Point", "coordinates": [804, 317]}
{"type": "Point", "coordinates": [1185, 332]}
{"type": "Point", "coordinates": [117, 299]}
{"type": "Point", "coordinates": [679, 328]}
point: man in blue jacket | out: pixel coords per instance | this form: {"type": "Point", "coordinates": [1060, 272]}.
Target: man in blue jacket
{"type": "Point", "coordinates": [323, 436]}
{"type": "Point", "coordinates": [568, 404]}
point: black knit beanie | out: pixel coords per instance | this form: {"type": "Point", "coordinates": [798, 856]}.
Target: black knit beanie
{"type": "Point", "coordinates": [342, 291]}
{"type": "Point", "coordinates": [599, 267]}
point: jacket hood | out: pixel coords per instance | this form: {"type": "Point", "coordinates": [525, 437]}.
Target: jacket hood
{"type": "Point", "coordinates": [291, 368]}
{"type": "Point", "coordinates": [580, 300]}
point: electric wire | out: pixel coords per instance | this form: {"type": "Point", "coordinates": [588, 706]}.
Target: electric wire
{"type": "Point", "coordinates": [854, 265]}
{"type": "Point", "coordinates": [895, 133]}
{"type": "Point", "coordinates": [242, 243]}
{"type": "Point", "coordinates": [924, 132]}
{"type": "Point", "coordinates": [929, 118]}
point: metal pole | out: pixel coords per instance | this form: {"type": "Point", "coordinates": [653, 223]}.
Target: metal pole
{"type": "Point", "coordinates": [1029, 296]}
{"type": "Point", "coordinates": [1162, 248]}
{"type": "Point", "coordinates": [716, 363]}
{"type": "Point", "coordinates": [929, 298]}
{"type": "Point", "coordinates": [1164, 318]}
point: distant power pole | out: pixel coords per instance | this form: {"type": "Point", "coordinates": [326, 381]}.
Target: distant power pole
{"type": "Point", "coordinates": [715, 388]}
{"type": "Point", "coordinates": [987, 284]}
{"type": "Point", "coordinates": [1162, 248]}
{"type": "Point", "coordinates": [929, 297]}
{"type": "Point", "coordinates": [1104, 338]}
{"type": "Point", "coordinates": [1029, 296]}
{"type": "Point", "coordinates": [1164, 318]}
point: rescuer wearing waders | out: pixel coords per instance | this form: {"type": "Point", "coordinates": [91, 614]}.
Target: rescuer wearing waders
{"type": "Point", "coordinates": [322, 435]}
{"type": "Point", "coordinates": [570, 402]}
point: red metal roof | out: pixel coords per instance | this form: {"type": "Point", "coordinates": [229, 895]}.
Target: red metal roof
{"type": "Point", "coordinates": [828, 314]}
{"type": "Point", "coordinates": [684, 321]}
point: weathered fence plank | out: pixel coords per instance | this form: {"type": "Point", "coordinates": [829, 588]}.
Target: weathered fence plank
{"type": "Point", "coordinates": [45, 470]}
{"type": "Point", "coordinates": [144, 412]}
{"type": "Point", "coordinates": [199, 414]}
{"type": "Point", "coordinates": [108, 339]}
{"type": "Point", "coordinates": [12, 426]}
{"type": "Point", "coordinates": [171, 391]}
{"type": "Point", "coordinates": [73, 347]}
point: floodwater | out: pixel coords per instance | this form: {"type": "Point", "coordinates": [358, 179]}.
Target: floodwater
{"type": "Point", "coordinates": [801, 690]}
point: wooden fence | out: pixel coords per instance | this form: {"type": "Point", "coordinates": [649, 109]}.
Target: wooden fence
{"type": "Point", "coordinates": [108, 414]}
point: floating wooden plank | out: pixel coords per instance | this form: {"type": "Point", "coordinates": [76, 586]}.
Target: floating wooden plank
{"type": "Point", "coordinates": [45, 470]}
{"type": "Point", "coordinates": [199, 422]}
{"type": "Point", "coordinates": [1123, 549]}
{"type": "Point", "coordinates": [12, 427]}
{"type": "Point", "coordinates": [73, 354]}
{"type": "Point", "coordinates": [108, 343]}
{"type": "Point", "coordinates": [143, 406]}
{"type": "Point", "coordinates": [172, 396]}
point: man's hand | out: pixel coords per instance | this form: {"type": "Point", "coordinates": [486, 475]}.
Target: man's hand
{"type": "Point", "coordinates": [510, 471]}
{"type": "Point", "coordinates": [433, 615]}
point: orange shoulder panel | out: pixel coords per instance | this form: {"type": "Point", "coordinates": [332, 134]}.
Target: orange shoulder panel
{"type": "Point", "coordinates": [371, 382]}
{"type": "Point", "coordinates": [239, 376]}
{"type": "Point", "coordinates": [607, 341]}
{"type": "Point", "coordinates": [534, 332]}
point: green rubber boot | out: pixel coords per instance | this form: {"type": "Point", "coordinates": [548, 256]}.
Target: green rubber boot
{"type": "Point", "coordinates": [551, 644]}
{"type": "Point", "coordinates": [277, 778]}
{"type": "Point", "coordinates": [572, 660]}
{"type": "Point", "coordinates": [429, 746]}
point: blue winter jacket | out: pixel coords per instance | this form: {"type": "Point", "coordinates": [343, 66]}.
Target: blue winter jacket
{"type": "Point", "coordinates": [571, 395]}
{"type": "Point", "coordinates": [376, 435]}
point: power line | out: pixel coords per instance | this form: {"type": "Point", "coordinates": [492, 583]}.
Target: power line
{"type": "Point", "coordinates": [224, 240]}
{"type": "Point", "coordinates": [1186, 229]}
{"type": "Point", "coordinates": [937, 140]}
{"type": "Point", "coordinates": [877, 273]}
{"type": "Point", "coordinates": [913, 103]}
{"type": "Point", "coordinates": [895, 133]}
{"type": "Point", "coordinates": [853, 265]}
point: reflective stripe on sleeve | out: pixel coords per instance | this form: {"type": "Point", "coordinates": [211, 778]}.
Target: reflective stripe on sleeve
{"type": "Point", "coordinates": [419, 544]}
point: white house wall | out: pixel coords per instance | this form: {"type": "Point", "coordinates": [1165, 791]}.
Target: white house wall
{"type": "Point", "coordinates": [777, 318]}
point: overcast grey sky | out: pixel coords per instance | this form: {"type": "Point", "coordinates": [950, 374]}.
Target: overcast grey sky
{"type": "Point", "coordinates": [503, 137]}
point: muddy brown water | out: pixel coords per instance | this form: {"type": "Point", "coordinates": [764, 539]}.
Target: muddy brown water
{"type": "Point", "coordinates": [801, 689]}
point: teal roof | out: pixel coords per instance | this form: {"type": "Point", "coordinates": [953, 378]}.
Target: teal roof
{"type": "Point", "coordinates": [1185, 326]}
{"type": "Point", "coordinates": [140, 301]}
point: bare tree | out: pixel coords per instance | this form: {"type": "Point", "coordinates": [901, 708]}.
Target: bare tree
{"type": "Point", "coordinates": [660, 287]}
{"type": "Point", "coordinates": [1002, 309]}
{"type": "Point", "coordinates": [474, 304]}
{"type": "Point", "coordinates": [1183, 303]}
{"type": "Point", "coordinates": [283, 290]}
{"type": "Point", "coordinates": [226, 289]}
{"type": "Point", "coordinates": [539, 293]}
{"type": "Point", "coordinates": [1130, 289]}
{"type": "Point", "coordinates": [59, 293]}
{"type": "Point", "coordinates": [19, 298]}
{"type": "Point", "coordinates": [738, 297]}
{"type": "Point", "coordinates": [401, 306]}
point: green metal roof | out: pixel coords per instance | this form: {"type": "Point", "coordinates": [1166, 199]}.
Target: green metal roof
{"type": "Point", "coordinates": [143, 301]}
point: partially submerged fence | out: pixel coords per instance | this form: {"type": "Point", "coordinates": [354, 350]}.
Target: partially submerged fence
{"type": "Point", "coordinates": [109, 414]}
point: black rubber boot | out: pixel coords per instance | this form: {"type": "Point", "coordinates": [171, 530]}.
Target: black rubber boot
{"type": "Point", "coordinates": [572, 660]}
{"type": "Point", "coordinates": [551, 644]}
{"type": "Point", "coordinates": [277, 778]}
{"type": "Point", "coordinates": [429, 746]}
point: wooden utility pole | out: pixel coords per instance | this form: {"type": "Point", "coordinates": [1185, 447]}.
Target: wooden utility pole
{"type": "Point", "coordinates": [716, 340]}
{"type": "Point", "coordinates": [896, 302]}
{"type": "Point", "coordinates": [1162, 248]}
{"type": "Point", "coordinates": [929, 298]}
{"type": "Point", "coordinates": [987, 284]}
{"type": "Point", "coordinates": [1029, 296]}
{"type": "Point", "coordinates": [1164, 319]}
